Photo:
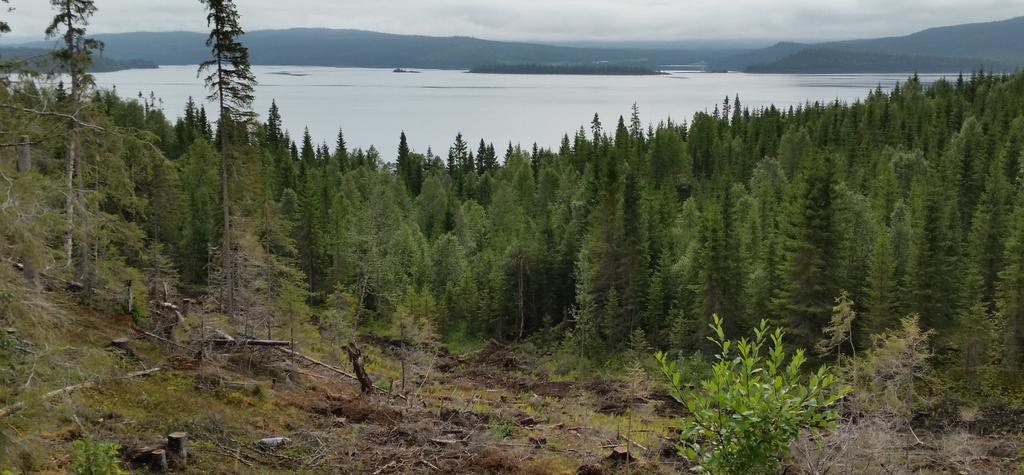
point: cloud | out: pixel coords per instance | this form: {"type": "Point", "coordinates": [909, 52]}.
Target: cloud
{"type": "Point", "coordinates": [552, 20]}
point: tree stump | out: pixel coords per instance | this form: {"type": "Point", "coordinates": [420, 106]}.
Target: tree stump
{"type": "Point", "coordinates": [177, 450]}
{"type": "Point", "coordinates": [158, 460]}
{"type": "Point", "coordinates": [356, 357]}
{"type": "Point", "coordinates": [123, 345]}
{"type": "Point", "coordinates": [620, 453]}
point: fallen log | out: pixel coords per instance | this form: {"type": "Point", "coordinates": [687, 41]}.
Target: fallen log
{"type": "Point", "coordinates": [6, 411]}
{"type": "Point", "coordinates": [165, 340]}
{"type": "Point", "coordinates": [273, 442]}
{"type": "Point", "coordinates": [222, 342]}
{"type": "Point", "coordinates": [328, 367]}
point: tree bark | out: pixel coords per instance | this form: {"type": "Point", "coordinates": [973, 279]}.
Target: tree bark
{"type": "Point", "coordinates": [158, 460]}
{"type": "Point", "coordinates": [69, 200]}
{"type": "Point", "coordinates": [356, 357]}
{"type": "Point", "coordinates": [24, 157]}
{"type": "Point", "coordinates": [177, 449]}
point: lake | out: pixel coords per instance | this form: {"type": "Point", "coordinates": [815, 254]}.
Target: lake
{"type": "Point", "coordinates": [374, 105]}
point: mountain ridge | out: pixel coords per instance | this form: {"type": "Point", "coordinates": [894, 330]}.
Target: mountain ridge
{"type": "Point", "coordinates": [996, 45]}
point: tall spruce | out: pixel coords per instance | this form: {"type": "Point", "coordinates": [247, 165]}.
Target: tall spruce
{"type": "Point", "coordinates": [231, 84]}
{"type": "Point", "coordinates": [809, 248]}
{"type": "Point", "coordinates": [74, 55]}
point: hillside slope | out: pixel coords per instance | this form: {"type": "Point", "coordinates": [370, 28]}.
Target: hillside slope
{"type": "Point", "coordinates": [39, 59]}
{"type": "Point", "coordinates": [357, 48]}
{"type": "Point", "coordinates": [997, 45]}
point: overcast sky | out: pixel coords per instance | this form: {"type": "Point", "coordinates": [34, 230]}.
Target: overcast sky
{"type": "Point", "coordinates": [553, 20]}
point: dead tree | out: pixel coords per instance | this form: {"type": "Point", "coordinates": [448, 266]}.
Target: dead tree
{"type": "Point", "coordinates": [356, 357]}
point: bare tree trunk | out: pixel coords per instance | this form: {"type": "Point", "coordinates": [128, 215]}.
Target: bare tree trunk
{"type": "Point", "coordinates": [69, 199]}
{"type": "Point", "coordinates": [24, 157]}
{"type": "Point", "coordinates": [129, 303]}
{"type": "Point", "coordinates": [519, 292]}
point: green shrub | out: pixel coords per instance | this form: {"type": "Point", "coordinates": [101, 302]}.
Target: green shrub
{"type": "Point", "coordinates": [754, 404]}
{"type": "Point", "coordinates": [96, 458]}
{"type": "Point", "coordinates": [501, 429]}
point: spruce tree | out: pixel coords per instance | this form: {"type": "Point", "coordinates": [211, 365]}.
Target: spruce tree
{"type": "Point", "coordinates": [74, 55]}
{"type": "Point", "coordinates": [808, 271]}
{"type": "Point", "coordinates": [231, 84]}
{"type": "Point", "coordinates": [880, 289]}
{"type": "Point", "coordinates": [275, 132]}
{"type": "Point", "coordinates": [402, 164]}
{"type": "Point", "coordinates": [1010, 296]}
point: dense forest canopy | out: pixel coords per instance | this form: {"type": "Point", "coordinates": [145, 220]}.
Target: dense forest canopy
{"type": "Point", "coordinates": [893, 225]}
{"type": "Point", "coordinates": [908, 201]}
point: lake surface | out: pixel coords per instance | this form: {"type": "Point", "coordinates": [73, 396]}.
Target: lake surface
{"type": "Point", "coordinates": [374, 105]}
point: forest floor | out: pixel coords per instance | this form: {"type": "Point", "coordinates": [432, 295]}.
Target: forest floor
{"type": "Point", "coordinates": [494, 410]}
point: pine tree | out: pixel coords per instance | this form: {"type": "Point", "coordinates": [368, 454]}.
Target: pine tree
{"type": "Point", "coordinates": [1010, 295]}
{"type": "Point", "coordinates": [934, 271]}
{"type": "Point", "coordinates": [231, 84]}
{"type": "Point", "coordinates": [275, 133]}
{"type": "Point", "coordinates": [74, 56]}
{"type": "Point", "coordinates": [403, 164]}
{"type": "Point", "coordinates": [807, 270]}
{"type": "Point", "coordinates": [880, 290]}
{"type": "Point", "coordinates": [307, 154]}
{"type": "Point", "coordinates": [985, 241]}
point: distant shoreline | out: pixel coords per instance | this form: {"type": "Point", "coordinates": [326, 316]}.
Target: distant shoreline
{"type": "Point", "coordinates": [568, 69]}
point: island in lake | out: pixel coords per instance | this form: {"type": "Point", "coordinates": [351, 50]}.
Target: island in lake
{"type": "Point", "coordinates": [407, 71]}
{"type": "Point", "coordinates": [598, 69]}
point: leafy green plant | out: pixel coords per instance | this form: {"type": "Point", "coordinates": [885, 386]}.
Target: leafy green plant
{"type": "Point", "coordinates": [96, 458]}
{"type": "Point", "coordinates": [754, 403]}
{"type": "Point", "coordinates": [501, 429]}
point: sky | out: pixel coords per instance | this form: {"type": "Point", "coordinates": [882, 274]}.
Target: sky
{"type": "Point", "coordinates": [551, 20]}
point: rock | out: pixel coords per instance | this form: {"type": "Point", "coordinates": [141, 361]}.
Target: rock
{"type": "Point", "coordinates": [273, 442]}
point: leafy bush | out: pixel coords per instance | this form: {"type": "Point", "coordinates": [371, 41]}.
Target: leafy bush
{"type": "Point", "coordinates": [754, 404]}
{"type": "Point", "coordinates": [501, 429]}
{"type": "Point", "coordinates": [894, 378]}
{"type": "Point", "coordinates": [96, 458]}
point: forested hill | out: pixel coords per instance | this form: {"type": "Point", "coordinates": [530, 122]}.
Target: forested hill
{"type": "Point", "coordinates": [993, 46]}
{"type": "Point", "coordinates": [357, 48]}
{"type": "Point", "coordinates": [838, 61]}
{"type": "Point", "coordinates": [997, 45]}
{"type": "Point", "coordinates": [41, 59]}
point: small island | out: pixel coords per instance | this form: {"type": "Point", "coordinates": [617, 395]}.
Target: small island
{"type": "Point", "coordinates": [594, 69]}
{"type": "Point", "coordinates": [406, 71]}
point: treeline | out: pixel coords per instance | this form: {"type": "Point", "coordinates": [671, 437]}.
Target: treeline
{"type": "Point", "coordinates": [583, 69]}
{"type": "Point", "coordinates": [626, 236]}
